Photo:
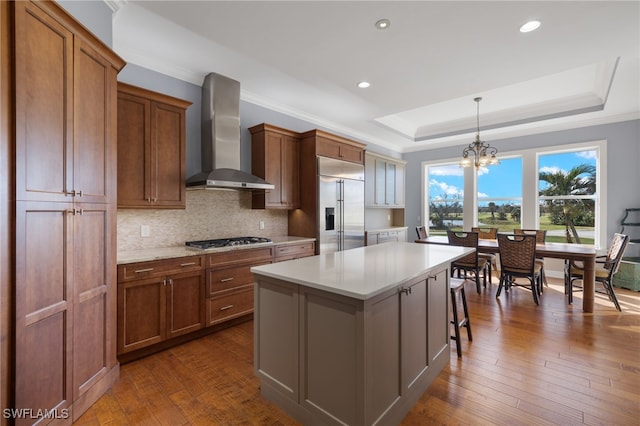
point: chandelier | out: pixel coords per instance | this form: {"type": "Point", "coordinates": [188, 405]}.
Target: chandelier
{"type": "Point", "coordinates": [483, 153]}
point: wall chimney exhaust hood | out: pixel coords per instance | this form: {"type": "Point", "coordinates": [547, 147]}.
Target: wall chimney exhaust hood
{"type": "Point", "coordinates": [221, 138]}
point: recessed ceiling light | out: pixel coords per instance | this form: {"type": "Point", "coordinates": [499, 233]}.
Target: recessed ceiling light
{"type": "Point", "coordinates": [530, 26]}
{"type": "Point", "coordinates": [363, 84]}
{"type": "Point", "coordinates": [383, 24]}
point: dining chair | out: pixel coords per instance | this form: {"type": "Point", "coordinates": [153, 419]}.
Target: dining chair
{"type": "Point", "coordinates": [471, 262]}
{"type": "Point", "coordinates": [606, 267]}
{"type": "Point", "coordinates": [541, 237]}
{"type": "Point", "coordinates": [518, 260]}
{"type": "Point", "coordinates": [422, 232]}
{"type": "Point", "coordinates": [488, 233]}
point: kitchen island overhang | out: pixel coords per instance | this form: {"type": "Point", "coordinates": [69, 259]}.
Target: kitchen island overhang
{"type": "Point", "coordinates": [353, 337]}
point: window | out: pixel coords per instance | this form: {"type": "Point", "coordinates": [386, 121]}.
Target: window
{"type": "Point", "coordinates": [445, 195]}
{"type": "Point", "coordinates": [500, 195]}
{"type": "Point", "coordinates": [556, 188]}
{"type": "Point", "coordinates": [567, 195]}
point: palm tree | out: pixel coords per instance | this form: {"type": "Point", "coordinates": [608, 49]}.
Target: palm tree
{"type": "Point", "coordinates": [580, 180]}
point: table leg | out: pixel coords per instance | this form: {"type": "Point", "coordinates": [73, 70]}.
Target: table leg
{"type": "Point", "coordinates": [588, 285]}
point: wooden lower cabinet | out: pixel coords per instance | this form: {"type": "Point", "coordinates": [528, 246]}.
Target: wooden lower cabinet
{"type": "Point", "coordinates": [152, 310]}
{"type": "Point", "coordinates": [294, 251]}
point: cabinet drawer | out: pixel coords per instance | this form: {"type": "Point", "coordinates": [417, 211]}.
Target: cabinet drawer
{"type": "Point", "coordinates": [223, 308]}
{"type": "Point", "coordinates": [221, 280]}
{"type": "Point", "coordinates": [236, 257]}
{"type": "Point", "coordinates": [133, 271]}
{"type": "Point", "coordinates": [294, 251]}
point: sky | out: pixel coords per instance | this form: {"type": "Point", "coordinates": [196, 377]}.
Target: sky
{"type": "Point", "coordinates": [503, 180]}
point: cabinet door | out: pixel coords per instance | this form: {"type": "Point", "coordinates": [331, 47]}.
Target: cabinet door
{"type": "Point", "coordinates": [290, 154]}
{"type": "Point", "coordinates": [185, 299]}
{"type": "Point", "coordinates": [95, 143]}
{"type": "Point", "coordinates": [94, 332]}
{"type": "Point", "coordinates": [351, 153]}
{"type": "Point", "coordinates": [399, 182]}
{"type": "Point", "coordinates": [416, 331]}
{"type": "Point", "coordinates": [168, 157]}
{"type": "Point", "coordinates": [142, 313]}
{"type": "Point", "coordinates": [44, 106]}
{"type": "Point", "coordinates": [390, 185]}
{"type": "Point", "coordinates": [134, 151]}
{"type": "Point", "coordinates": [273, 168]}
{"type": "Point", "coordinates": [43, 305]}
{"type": "Point", "coordinates": [380, 183]}
{"type": "Point", "coordinates": [370, 181]}
{"type": "Point", "coordinates": [439, 337]}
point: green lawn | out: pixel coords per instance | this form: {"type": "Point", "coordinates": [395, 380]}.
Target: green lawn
{"type": "Point", "coordinates": [507, 226]}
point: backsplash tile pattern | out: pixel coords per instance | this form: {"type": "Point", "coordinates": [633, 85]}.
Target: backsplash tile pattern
{"type": "Point", "coordinates": [208, 214]}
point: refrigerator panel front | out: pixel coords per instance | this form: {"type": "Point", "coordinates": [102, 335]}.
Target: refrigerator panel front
{"type": "Point", "coordinates": [353, 214]}
{"type": "Point", "coordinates": [329, 214]}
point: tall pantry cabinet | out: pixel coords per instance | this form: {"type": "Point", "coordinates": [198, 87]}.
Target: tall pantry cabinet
{"type": "Point", "coordinates": [63, 155]}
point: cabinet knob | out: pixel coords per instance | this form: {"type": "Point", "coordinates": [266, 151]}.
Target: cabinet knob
{"type": "Point", "coordinates": [226, 280]}
{"type": "Point", "coordinates": [139, 271]}
{"type": "Point", "coordinates": [224, 308]}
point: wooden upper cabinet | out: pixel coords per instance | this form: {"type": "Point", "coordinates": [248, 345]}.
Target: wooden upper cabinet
{"type": "Point", "coordinates": [65, 101]}
{"type": "Point", "coordinates": [333, 146]}
{"type": "Point", "coordinates": [151, 149]}
{"type": "Point", "coordinates": [95, 142]}
{"type": "Point", "coordinates": [44, 107]}
{"type": "Point", "coordinates": [275, 157]}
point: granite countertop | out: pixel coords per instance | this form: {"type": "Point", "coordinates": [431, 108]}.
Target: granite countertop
{"type": "Point", "coordinates": [363, 272]}
{"type": "Point", "coordinates": [144, 255]}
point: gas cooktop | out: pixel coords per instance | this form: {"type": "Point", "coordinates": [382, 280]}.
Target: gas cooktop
{"type": "Point", "coordinates": [226, 242]}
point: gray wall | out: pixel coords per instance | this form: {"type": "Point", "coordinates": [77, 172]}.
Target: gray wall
{"type": "Point", "coordinates": [623, 165]}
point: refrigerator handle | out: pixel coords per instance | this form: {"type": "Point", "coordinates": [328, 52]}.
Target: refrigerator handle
{"type": "Point", "coordinates": [341, 207]}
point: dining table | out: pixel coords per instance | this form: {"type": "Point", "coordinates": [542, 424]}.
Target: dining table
{"type": "Point", "coordinates": [572, 252]}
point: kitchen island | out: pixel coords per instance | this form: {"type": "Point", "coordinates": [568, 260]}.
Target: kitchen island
{"type": "Point", "coordinates": [353, 337]}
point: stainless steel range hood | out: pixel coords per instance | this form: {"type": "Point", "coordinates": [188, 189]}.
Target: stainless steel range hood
{"type": "Point", "coordinates": [221, 138]}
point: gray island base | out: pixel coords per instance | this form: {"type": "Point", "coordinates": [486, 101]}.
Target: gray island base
{"type": "Point", "coordinates": [354, 337]}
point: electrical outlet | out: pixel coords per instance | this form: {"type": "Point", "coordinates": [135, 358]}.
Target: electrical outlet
{"type": "Point", "coordinates": [262, 224]}
{"type": "Point", "coordinates": [388, 217]}
{"type": "Point", "coordinates": [145, 230]}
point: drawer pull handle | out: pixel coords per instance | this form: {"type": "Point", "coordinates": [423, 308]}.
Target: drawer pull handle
{"type": "Point", "coordinates": [187, 264]}
{"type": "Point", "coordinates": [224, 308]}
{"type": "Point", "coordinates": [139, 271]}
{"type": "Point", "coordinates": [226, 280]}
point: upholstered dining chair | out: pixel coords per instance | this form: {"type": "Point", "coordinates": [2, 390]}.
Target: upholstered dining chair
{"type": "Point", "coordinates": [606, 267]}
{"type": "Point", "coordinates": [518, 260]}
{"type": "Point", "coordinates": [541, 237]}
{"type": "Point", "coordinates": [471, 263]}
{"type": "Point", "coordinates": [487, 233]}
{"type": "Point", "coordinates": [422, 232]}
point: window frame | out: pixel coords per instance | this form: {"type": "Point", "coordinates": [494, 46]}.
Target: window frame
{"type": "Point", "coordinates": [530, 212]}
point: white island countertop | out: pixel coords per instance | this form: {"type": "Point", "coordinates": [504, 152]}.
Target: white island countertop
{"type": "Point", "coordinates": [364, 272]}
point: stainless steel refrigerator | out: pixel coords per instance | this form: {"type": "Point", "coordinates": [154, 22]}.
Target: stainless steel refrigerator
{"type": "Point", "coordinates": [341, 203]}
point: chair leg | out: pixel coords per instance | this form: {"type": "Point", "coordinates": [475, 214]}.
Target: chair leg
{"type": "Point", "coordinates": [466, 314]}
{"type": "Point", "coordinates": [611, 293]}
{"type": "Point", "coordinates": [500, 285]}
{"type": "Point", "coordinates": [456, 323]}
{"type": "Point", "coordinates": [534, 288]}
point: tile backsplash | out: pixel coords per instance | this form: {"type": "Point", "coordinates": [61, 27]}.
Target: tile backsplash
{"type": "Point", "coordinates": [208, 214]}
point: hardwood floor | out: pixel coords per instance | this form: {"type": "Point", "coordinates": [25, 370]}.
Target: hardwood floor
{"type": "Point", "coordinates": [527, 364]}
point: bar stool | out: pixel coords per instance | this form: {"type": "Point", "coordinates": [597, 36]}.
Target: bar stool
{"type": "Point", "coordinates": [456, 286]}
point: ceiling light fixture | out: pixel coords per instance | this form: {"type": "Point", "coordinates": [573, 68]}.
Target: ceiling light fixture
{"type": "Point", "coordinates": [483, 154]}
{"type": "Point", "coordinates": [383, 24]}
{"type": "Point", "coordinates": [530, 26]}
{"type": "Point", "coordinates": [363, 84]}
